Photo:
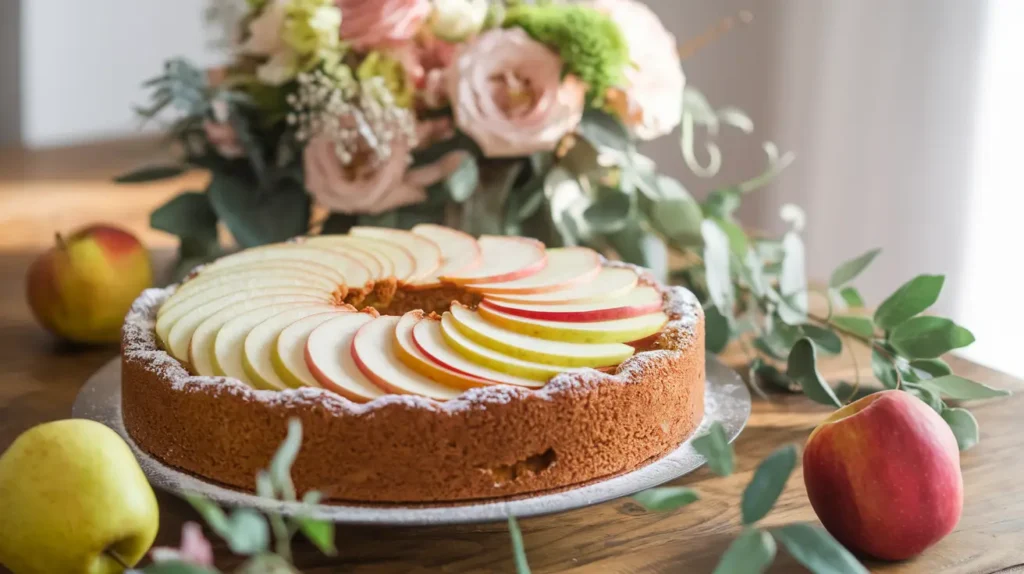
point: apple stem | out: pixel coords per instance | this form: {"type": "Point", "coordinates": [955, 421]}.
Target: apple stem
{"type": "Point", "coordinates": [59, 239]}
{"type": "Point", "coordinates": [113, 555]}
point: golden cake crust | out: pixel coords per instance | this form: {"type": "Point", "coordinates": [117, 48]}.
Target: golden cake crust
{"type": "Point", "coordinates": [490, 442]}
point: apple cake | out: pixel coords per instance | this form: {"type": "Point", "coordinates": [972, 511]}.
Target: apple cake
{"type": "Point", "coordinates": [425, 365]}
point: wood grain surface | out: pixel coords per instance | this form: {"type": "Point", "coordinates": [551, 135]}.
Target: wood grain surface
{"type": "Point", "coordinates": [39, 377]}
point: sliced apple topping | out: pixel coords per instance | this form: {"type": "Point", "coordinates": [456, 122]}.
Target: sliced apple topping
{"type": "Point", "coordinates": [395, 261]}
{"type": "Point", "coordinates": [192, 299]}
{"type": "Point", "coordinates": [206, 280]}
{"type": "Point", "coordinates": [374, 352]}
{"type": "Point", "coordinates": [175, 331]}
{"type": "Point", "coordinates": [504, 259]}
{"type": "Point", "coordinates": [367, 258]}
{"type": "Point", "coordinates": [528, 348]}
{"type": "Point", "coordinates": [357, 276]}
{"type": "Point", "coordinates": [229, 345]}
{"type": "Point", "coordinates": [328, 355]}
{"type": "Point", "coordinates": [200, 348]}
{"type": "Point", "coordinates": [425, 253]}
{"type": "Point", "coordinates": [289, 353]}
{"type": "Point", "coordinates": [613, 331]}
{"type": "Point", "coordinates": [460, 252]}
{"type": "Point", "coordinates": [566, 267]}
{"type": "Point", "coordinates": [429, 339]}
{"type": "Point", "coordinates": [610, 283]}
{"type": "Point", "coordinates": [640, 301]}
{"type": "Point", "coordinates": [261, 343]}
{"type": "Point", "coordinates": [414, 357]}
{"type": "Point", "coordinates": [492, 359]}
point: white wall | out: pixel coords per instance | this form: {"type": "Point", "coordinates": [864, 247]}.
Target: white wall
{"type": "Point", "coordinates": [82, 62]}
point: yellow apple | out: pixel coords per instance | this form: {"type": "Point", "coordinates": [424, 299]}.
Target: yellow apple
{"type": "Point", "coordinates": [71, 492]}
{"type": "Point", "coordinates": [82, 288]}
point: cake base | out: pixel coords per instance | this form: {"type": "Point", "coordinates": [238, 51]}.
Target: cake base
{"type": "Point", "coordinates": [726, 400]}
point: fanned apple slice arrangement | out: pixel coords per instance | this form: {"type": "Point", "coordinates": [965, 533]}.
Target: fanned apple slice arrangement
{"type": "Point", "coordinates": [278, 317]}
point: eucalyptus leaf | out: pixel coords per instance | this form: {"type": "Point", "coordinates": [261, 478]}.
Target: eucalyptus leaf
{"type": "Point", "coordinates": [752, 552]}
{"type": "Point", "coordinates": [320, 533]}
{"type": "Point", "coordinates": [884, 369]}
{"type": "Point", "coordinates": [258, 218]}
{"type": "Point", "coordinates": [247, 533]}
{"type": "Point", "coordinates": [635, 245]}
{"type": "Point", "coordinates": [770, 348]}
{"type": "Point", "coordinates": [666, 498]}
{"type": "Point", "coordinates": [934, 367]}
{"type": "Point", "coordinates": [716, 330]}
{"type": "Point", "coordinates": [964, 427]}
{"type": "Point", "coordinates": [754, 377]}
{"type": "Point", "coordinates": [768, 483]}
{"type": "Point", "coordinates": [674, 213]}
{"type": "Point", "coordinates": [793, 280]}
{"type": "Point", "coordinates": [928, 337]}
{"type": "Point", "coordinates": [736, 118]}
{"type": "Point", "coordinates": [212, 514]}
{"type": "Point", "coordinates": [464, 180]}
{"type": "Point", "coordinates": [825, 339]}
{"type": "Point", "coordinates": [928, 396]}
{"type": "Point", "coordinates": [961, 389]}
{"type": "Point", "coordinates": [817, 550]}
{"type": "Point", "coordinates": [754, 267]}
{"type": "Point", "coordinates": [187, 215]}
{"type": "Point", "coordinates": [802, 366]}
{"type": "Point", "coordinates": [281, 465]}
{"type": "Point", "coordinates": [912, 298]}
{"type": "Point", "coordinates": [717, 264]}
{"type": "Point", "coordinates": [175, 567]}
{"type": "Point", "coordinates": [778, 379]}
{"type": "Point", "coordinates": [851, 296]}
{"type": "Point", "coordinates": [714, 446]}
{"type": "Point", "coordinates": [518, 549]}
{"type": "Point", "coordinates": [737, 237]}
{"type": "Point", "coordinates": [152, 173]}
{"type": "Point", "coordinates": [603, 130]}
{"type": "Point", "coordinates": [722, 202]}
{"type": "Point", "coordinates": [860, 326]}
{"type": "Point", "coordinates": [849, 270]}
{"type": "Point", "coordinates": [610, 212]}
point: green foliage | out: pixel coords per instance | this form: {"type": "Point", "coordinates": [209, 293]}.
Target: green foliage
{"type": "Point", "coordinates": [590, 43]}
{"type": "Point", "coordinates": [151, 173]}
{"type": "Point", "coordinates": [715, 447]}
{"type": "Point", "coordinates": [860, 326]}
{"type": "Point", "coordinates": [849, 270]}
{"type": "Point", "coordinates": [815, 548]}
{"type": "Point", "coordinates": [256, 218]}
{"type": "Point", "coordinates": [716, 330]}
{"type": "Point", "coordinates": [802, 366]}
{"type": "Point", "coordinates": [768, 483]}
{"type": "Point", "coordinates": [929, 337]}
{"type": "Point", "coordinates": [753, 551]}
{"type": "Point", "coordinates": [964, 426]}
{"type": "Point", "coordinates": [959, 388]}
{"type": "Point", "coordinates": [912, 298]}
{"type": "Point", "coordinates": [518, 549]}
{"type": "Point", "coordinates": [666, 498]}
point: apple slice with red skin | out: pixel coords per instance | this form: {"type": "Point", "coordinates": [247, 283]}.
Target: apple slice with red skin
{"type": "Point", "coordinates": [640, 301]}
{"type": "Point", "coordinates": [429, 339]}
{"type": "Point", "coordinates": [425, 253]}
{"type": "Point", "coordinates": [610, 283]}
{"type": "Point", "coordinates": [460, 252]}
{"type": "Point", "coordinates": [329, 358]}
{"type": "Point", "coordinates": [566, 267]}
{"type": "Point", "coordinates": [504, 259]}
{"type": "Point", "coordinates": [373, 350]}
{"type": "Point", "coordinates": [356, 275]}
{"type": "Point", "coordinates": [395, 261]}
{"type": "Point", "coordinates": [613, 331]}
{"type": "Point", "coordinates": [413, 357]}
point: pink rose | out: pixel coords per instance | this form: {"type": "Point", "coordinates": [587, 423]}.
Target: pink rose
{"type": "Point", "coordinates": [508, 94]}
{"type": "Point", "coordinates": [221, 134]}
{"type": "Point", "coordinates": [355, 189]}
{"type": "Point", "coordinates": [425, 60]}
{"type": "Point", "coordinates": [654, 84]}
{"type": "Point", "coordinates": [369, 24]}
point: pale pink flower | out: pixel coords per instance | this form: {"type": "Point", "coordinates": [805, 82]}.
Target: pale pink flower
{"type": "Point", "coordinates": [195, 548]}
{"type": "Point", "coordinates": [508, 94]}
{"type": "Point", "coordinates": [371, 24]}
{"type": "Point", "coordinates": [426, 60]}
{"type": "Point", "coordinates": [221, 134]}
{"type": "Point", "coordinates": [356, 189]}
{"type": "Point", "coordinates": [654, 82]}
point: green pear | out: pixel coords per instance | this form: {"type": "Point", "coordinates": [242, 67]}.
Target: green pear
{"type": "Point", "coordinates": [72, 494]}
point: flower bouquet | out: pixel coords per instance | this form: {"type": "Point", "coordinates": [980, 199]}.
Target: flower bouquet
{"type": "Point", "coordinates": [524, 118]}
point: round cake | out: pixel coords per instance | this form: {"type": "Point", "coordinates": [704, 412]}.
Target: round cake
{"type": "Point", "coordinates": [425, 366]}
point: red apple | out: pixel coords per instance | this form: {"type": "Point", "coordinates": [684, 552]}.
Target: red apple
{"type": "Point", "coordinates": [883, 475]}
{"type": "Point", "coordinates": [82, 288]}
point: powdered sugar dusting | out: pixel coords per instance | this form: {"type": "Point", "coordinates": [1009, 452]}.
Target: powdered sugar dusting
{"type": "Point", "coordinates": [140, 347]}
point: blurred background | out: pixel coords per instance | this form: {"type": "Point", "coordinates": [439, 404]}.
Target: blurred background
{"type": "Point", "coordinates": [905, 117]}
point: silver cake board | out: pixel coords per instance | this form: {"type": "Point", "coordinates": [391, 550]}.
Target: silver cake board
{"type": "Point", "coordinates": [726, 401]}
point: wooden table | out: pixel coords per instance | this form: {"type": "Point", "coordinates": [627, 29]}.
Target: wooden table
{"type": "Point", "coordinates": [44, 192]}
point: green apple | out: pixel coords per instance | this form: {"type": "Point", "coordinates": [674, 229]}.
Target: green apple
{"type": "Point", "coordinates": [71, 493]}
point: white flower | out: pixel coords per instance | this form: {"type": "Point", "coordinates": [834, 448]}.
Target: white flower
{"type": "Point", "coordinates": [654, 81]}
{"type": "Point", "coordinates": [456, 20]}
{"type": "Point", "coordinates": [265, 30]}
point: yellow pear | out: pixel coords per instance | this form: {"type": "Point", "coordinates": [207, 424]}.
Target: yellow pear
{"type": "Point", "coordinates": [71, 494]}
